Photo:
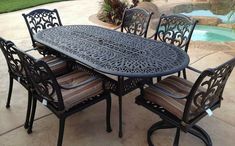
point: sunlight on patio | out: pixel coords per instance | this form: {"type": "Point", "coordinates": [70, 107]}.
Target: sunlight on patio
{"type": "Point", "coordinates": [87, 128]}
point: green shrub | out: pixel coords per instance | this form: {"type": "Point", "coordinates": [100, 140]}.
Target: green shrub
{"type": "Point", "coordinates": [112, 10]}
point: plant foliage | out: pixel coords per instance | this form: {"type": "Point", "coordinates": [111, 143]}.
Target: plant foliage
{"type": "Point", "coordinates": [112, 10]}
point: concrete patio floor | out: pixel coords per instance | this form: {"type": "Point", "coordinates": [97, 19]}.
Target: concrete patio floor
{"type": "Point", "coordinates": [87, 128]}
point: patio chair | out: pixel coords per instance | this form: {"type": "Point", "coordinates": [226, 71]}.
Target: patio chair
{"type": "Point", "coordinates": [38, 20]}
{"type": "Point", "coordinates": [135, 21]}
{"type": "Point", "coordinates": [177, 30]}
{"type": "Point", "coordinates": [181, 103]}
{"type": "Point", "coordinates": [16, 70]}
{"type": "Point", "coordinates": [64, 95]}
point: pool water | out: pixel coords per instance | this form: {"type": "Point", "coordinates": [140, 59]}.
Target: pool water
{"type": "Point", "coordinates": [228, 18]}
{"type": "Point", "coordinates": [213, 34]}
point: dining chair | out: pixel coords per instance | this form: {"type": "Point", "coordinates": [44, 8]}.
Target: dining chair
{"type": "Point", "coordinates": [38, 20]}
{"type": "Point", "coordinates": [64, 95]}
{"type": "Point", "coordinates": [135, 21]}
{"type": "Point", "coordinates": [17, 72]}
{"type": "Point", "coordinates": [177, 30]}
{"type": "Point", "coordinates": [181, 103]}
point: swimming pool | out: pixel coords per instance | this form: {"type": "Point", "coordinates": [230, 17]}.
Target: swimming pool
{"type": "Point", "coordinates": [213, 34]}
{"type": "Point", "coordinates": [225, 18]}
{"type": "Point", "coordinates": [221, 9]}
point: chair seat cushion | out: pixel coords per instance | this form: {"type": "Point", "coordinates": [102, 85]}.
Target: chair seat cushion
{"type": "Point", "coordinates": [176, 86]}
{"type": "Point", "coordinates": [41, 48]}
{"type": "Point", "coordinates": [92, 86]}
{"type": "Point", "coordinates": [39, 45]}
{"type": "Point", "coordinates": [56, 64]}
{"type": "Point", "coordinates": [44, 50]}
{"type": "Point", "coordinates": [114, 77]}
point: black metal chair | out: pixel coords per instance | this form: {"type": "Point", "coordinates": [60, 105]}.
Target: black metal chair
{"type": "Point", "coordinates": [64, 95]}
{"type": "Point", "coordinates": [177, 30]}
{"type": "Point", "coordinates": [17, 72]}
{"type": "Point", "coordinates": [181, 103]}
{"type": "Point", "coordinates": [38, 20]}
{"type": "Point", "coordinates": [135, 21]}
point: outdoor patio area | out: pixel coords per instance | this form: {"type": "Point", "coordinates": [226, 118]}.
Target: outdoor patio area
{"type": "Point", "coordinates": [87, 127]}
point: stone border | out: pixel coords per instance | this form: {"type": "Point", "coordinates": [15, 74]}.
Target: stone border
{"type": "Point", "coordinates": [203, 20]}
{"type": "Point", "coordinates": [94, 19]}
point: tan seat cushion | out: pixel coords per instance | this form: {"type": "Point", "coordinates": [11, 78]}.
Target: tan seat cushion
{"type": "Point", "coordinates": [76, 95]}
{"type": "Point", "coordinates": [114, 77]}
{"type": "Point", "coordinates": [40, 47]}
{"type": "Point", "coordinates": [56, 64]}
{"type": "Point", "coordinates": [176, 86]}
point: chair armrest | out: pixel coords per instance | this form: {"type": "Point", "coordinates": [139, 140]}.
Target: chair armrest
{"type": "Point", "coordinates": [30, 50]}
{"type": "Point", "coordinates": [80, 84]}
{"type": "Point", "coordinates": [165, 92]}
{"type": "Point", "coordinates": [118, 27]}
{"type": "Point", "coordinates": [194, 69]}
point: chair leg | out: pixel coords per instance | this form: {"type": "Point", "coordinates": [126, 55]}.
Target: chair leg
{"type": "Point", "coordinates": [179, 73]}
{"type": "Point", "coordinates": [159, 79]}
{"type": "Point", "coordinates": [26, 124]}
{"type": "Point", "coordinates": [150, 80]}
{"type": "Point", "coordinates": [202, 134]}
{"type": "Point", "coordinates": [61, 132]}
{"type": "Point", "coordinates": [184, 74]}
{"type": "Point", "coordinates": [177, 137]}
{"type": "Point", "coordinates": [34, 106]}
{"type": "Point", "coordinates": [159, 125]}
{"type": "Point", "coordinates": [120, 115]}
{"type": "Point", "coordinates": [9, 92]}
{"type": "Point", "coordinates": [108, 113]}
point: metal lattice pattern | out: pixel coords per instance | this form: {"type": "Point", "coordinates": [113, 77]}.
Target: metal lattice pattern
{"type": "Point", "coordinates": [213, 81]}
{"type": "Point", "coordinates": [42, 79]}
{"type": "Point", "coordinates": [176, 30]}
{"type": "Point", "coordinates": [12, 58]}
{"type": "Point", "coordinates": [136, 21]}
{"type": "Point", "coordinates": [115, 52]}
{"type": "Point", "coordinates": [41, 19]}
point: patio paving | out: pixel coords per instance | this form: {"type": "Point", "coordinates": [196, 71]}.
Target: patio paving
{"type": "Point", "coordinates": [87, 128]}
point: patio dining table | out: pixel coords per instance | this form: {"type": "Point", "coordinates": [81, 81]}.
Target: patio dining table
{"type": "Point", "coordinates": [112, 52]}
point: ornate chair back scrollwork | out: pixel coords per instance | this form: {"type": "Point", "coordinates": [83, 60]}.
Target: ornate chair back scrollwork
{"type": "Point", "coordinates": [66, 94]}
{"type": "Point", "coordinates": [212, 81]}
{"type": "Point", "coordinates": [16, 72]}
{"type": "Point", "coordinates": [181, 103]}
{"type": "Point", "coordinates": [177, 30]}
{"type": "Point", "coordinates": [43, 81]}
{"type": "Point", "coordinates": [136, 21]}
{"type": "Point", "coordinates": [14, 63]}
{"type": "Point", "coordinates": [41, 19]}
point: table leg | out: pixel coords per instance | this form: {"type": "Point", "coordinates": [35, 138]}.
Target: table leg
{"type": "Point", "coordinates": [120, 90]}
{"type": "Point", "coordinates": [120, 116]}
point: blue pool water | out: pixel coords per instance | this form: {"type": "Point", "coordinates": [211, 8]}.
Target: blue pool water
{"type": "Point", "coordinates": [213, 34]}
{"type": "Point", "coordinates": [224, 18]}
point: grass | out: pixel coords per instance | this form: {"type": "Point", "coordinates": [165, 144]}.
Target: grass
{"type": "Point", "coordinates": [13, 5]}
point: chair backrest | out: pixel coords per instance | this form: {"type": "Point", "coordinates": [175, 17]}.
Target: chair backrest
{"type": "Point", "coordinates": [175, 29]}
{"type": "Point", "coordinates": [207, 91]}
{"type": "Point", "coordinates": [43, 81]}
{"type": "Point", "coordinates": [14, 63]}
{"type": "Point", "coordinates": [41, 19]}
{"type": "Point", "coordinates": [136, 21]}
